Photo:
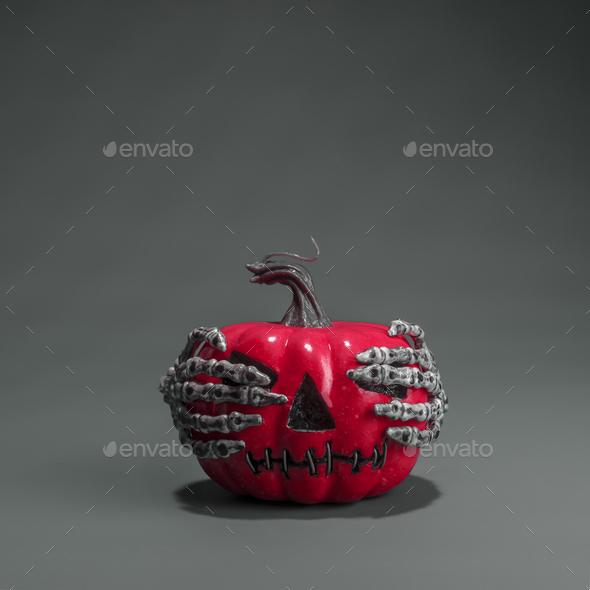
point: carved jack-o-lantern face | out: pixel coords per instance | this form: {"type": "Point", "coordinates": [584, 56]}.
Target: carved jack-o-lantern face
{"type": "Point", "coordinates": [324, 428]}
{"type": "Point", "coordinates": [285, 411]}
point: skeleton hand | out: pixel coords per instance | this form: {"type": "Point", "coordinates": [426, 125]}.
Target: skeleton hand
{"type": "Point", "coordinates": [247, 388]}
{"type": "Point", "coordinates": [386, 369]}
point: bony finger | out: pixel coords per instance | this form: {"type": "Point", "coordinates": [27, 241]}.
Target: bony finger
{"type": "Point", "coordinates": [238, 373]}
{"type": "Point", "coordinates": [371, 374]}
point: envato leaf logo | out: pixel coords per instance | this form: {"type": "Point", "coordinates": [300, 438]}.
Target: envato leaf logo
{"type": "Point", "coordinates": [110, 150]}
{"type": "Point", "coordinates": [111, 449]}
{"type": "Point", "coordinates": [473, 449]}
{"type": "Point", "coordinates": [410, 149]}
{"type": "Point", "coordinates": [173, 449]}
{"type": "Point", "coordinates": [463, 150]}
{"type": "Point", "coordinates": [163, 150]}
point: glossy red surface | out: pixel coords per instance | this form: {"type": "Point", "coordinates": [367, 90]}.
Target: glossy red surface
{"type": "Point", "coordinates": [326, 354]}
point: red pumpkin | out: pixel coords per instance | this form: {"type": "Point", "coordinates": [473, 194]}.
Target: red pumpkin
{"type": "Point", "coordinates": [325, 355]}
{"type": "Point", "coordinates": [325, 443]}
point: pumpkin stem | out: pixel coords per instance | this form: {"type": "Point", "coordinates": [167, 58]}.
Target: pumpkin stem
{"type": "Point", "coordinates": [305, 311]}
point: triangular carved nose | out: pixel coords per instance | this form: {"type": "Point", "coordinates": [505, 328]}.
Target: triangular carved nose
{"type": "Point", "coordinates": [309, 412]}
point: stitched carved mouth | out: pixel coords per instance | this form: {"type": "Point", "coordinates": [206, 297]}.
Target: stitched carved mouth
{"type": "Point", "coordinates": [311, 462]}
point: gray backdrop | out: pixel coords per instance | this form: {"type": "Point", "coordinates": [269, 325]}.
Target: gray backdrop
{"type": "Point", "coordinates": [109, 262]}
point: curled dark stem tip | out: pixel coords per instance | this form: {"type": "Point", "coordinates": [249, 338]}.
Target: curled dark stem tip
{"type": "Point", "coordinates": [305, 311]}
{"type": "Point", "coordinates": [295, 256]}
